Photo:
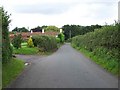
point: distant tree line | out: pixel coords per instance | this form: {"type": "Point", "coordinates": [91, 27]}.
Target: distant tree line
{"type": "Point", "coordinates": [74, 30]}
{"type": "Point", "coordinates": [68, 30]}
{"type": "Point", "coordinates": [23, 29]}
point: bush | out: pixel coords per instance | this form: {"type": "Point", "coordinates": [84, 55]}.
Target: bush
{"type": "Point", "coordinates": [30, 43]}
{"type": "Point", "coordinates": [35, 40]}
{"type": "Point", "coordinates": [58, 40]}
{"type": "Point", "coordinates": [62, 37]}
{"type": "Point", "coordinates": [17, 40]}
{"type": "Point", "coordinates": [45, 43]}
{"type": "Point", "coordinates": [6, 48]}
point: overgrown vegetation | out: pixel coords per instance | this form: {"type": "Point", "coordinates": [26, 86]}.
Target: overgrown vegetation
{"type": "Point", "coordinates": [17, 40]}
{"type": "Point", "coordinates": [11, 70]}
{"type": "Point", "coordinates": [61, 37]}
{"type": "Point", "coordinates": [45, 43]}
{"type": "Point", "coordinates": [102, 45]}
{"type": "Point", "coordinates": [6, 48]}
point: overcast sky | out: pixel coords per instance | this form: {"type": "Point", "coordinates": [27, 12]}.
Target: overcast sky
{"type": "Point", "coordinates": [32, 13]}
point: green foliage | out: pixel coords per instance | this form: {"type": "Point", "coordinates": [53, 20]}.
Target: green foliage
{"type": "Point", "coordinates": [74, 30]}
{"type": "Point", "coordinates": [6, 48]}
{"type": "Point", "coordinates": [62, 37]}
{"type": "Point", "coordinates": [45, 43]}
{"type": "Point", "coordinates": [102, 43]}
{"type": "Point", "coordinates": [30, 43]}
{"type": "Point", "coordinates": [26, 51]}
{"type": "Point", "coordinates": [52, 28]}
{"type": "Point", "coordinates": [11, 70]}
{"type": "Point", "coordinates": [23, 29]}
{"type": "Point", "coordinates": [17, 40]}
{"type": "Point", "coordinates": [106, 37]}
{"type": "Point", "coordinates": [69, 40]}
{"type": "Point", "coordinates": [35, 40]}
{"type": "Point", "coordinates": [58, 40]}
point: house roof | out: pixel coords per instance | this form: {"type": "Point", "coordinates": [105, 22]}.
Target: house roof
{"type": "Point", "coordinates": [27, 34]}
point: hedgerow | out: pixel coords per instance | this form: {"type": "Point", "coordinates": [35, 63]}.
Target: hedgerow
{"type": "Point", "coordinates": [104, 43]}
{"type": "Point", "coordinates": [45, 43]}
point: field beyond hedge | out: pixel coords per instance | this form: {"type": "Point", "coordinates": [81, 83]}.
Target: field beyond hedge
{"type": "Point", "coordinates": [102, 46]}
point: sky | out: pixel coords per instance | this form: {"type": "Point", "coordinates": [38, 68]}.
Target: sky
{"type": "Point", "coordinates": [33, 13]}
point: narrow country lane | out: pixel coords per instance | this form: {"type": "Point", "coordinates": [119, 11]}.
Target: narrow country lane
{"type": "Point", "coordinates": [66, 68]}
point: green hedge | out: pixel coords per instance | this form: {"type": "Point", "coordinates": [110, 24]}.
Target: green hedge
{"type": "Point", "coordinates": [103, 43]}
{"type": "Point", "coordinates": [45, 43]}
{"type": "Point", "coordinates": [106, 37]}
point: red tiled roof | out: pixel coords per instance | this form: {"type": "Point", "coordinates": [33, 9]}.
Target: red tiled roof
{"type": "Point", "coordinates": [27, 34]}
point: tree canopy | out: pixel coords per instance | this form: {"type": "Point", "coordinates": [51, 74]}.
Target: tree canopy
{"type": "Point", "coordinates": [52, 28]}
{"type": "Point", "coordinates": [37, 29]}
{"type": "Point", "coordinates": [23, 29]}
{"type": "Point", "coordinates": [74, 30]}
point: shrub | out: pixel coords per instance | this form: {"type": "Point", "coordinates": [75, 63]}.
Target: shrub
{"type": "Point", "coordinates": [35, 40]}
{"type": "Point", "coordinates": [17, 40]}
{"type": "Point", "coordinates": [6, 48]}
{"type": "Point", "coordinates": [62, 37]}
{"type": "Point", "coordinates": [45, 43]}
{"type": "Point", "coordinates": [58, 40]}
{"type": "Point", "coordinates": [30, 43]}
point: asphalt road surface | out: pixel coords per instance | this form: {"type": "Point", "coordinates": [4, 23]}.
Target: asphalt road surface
{"type": "Point", "coordinates": [66, 68]}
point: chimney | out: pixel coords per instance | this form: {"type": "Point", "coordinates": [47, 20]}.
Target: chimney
{"type": "Point", "coordinates": [60, 30]}
{"type": "Point", "coordinates": [31, 31]}
{"type": "Point", "coordinates": [42, 30]}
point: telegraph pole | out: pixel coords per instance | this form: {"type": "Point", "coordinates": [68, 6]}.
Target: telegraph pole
{"type": "Point", "coordinates": [70, 34]}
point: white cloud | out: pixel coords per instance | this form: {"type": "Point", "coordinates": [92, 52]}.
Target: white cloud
{"type": "Point", "coordinates": [60, 12]}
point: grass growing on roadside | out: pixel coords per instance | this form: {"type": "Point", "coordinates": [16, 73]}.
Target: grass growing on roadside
{"type": "Point", "coordinates": [110, 64]}
{"type": "Point", "coordinates": [26, 51]}
{"type": "Point", "coordinates": [11, 70]}
{"type": "Point", "coordinates": [32, 51]}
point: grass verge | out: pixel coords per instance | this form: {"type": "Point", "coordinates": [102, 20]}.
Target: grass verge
{"type": "Point", "coordinates": [105, 61]}
{"type": "Point", "coordinates": [11, 70]}
{"type": "Point", "coordinates": [26, 51]}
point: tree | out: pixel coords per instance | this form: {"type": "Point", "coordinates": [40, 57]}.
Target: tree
{"type": "Point", "coordinates": [17, 40]}
{"type": "Point", "coordinates": [52, 28]}
{"type": "Point", "coordinates": [44, 26]}
{"type": "Point", "coordinates": [37, 29]}
{"type": "Point", "coordinates": [23, 29]}
{"type": "Point", "coordinates": [74, 30]}
{"type": "Point", "coordinates": [6, 48]}
{"type": "Point", "coordinates": [30, 43]}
